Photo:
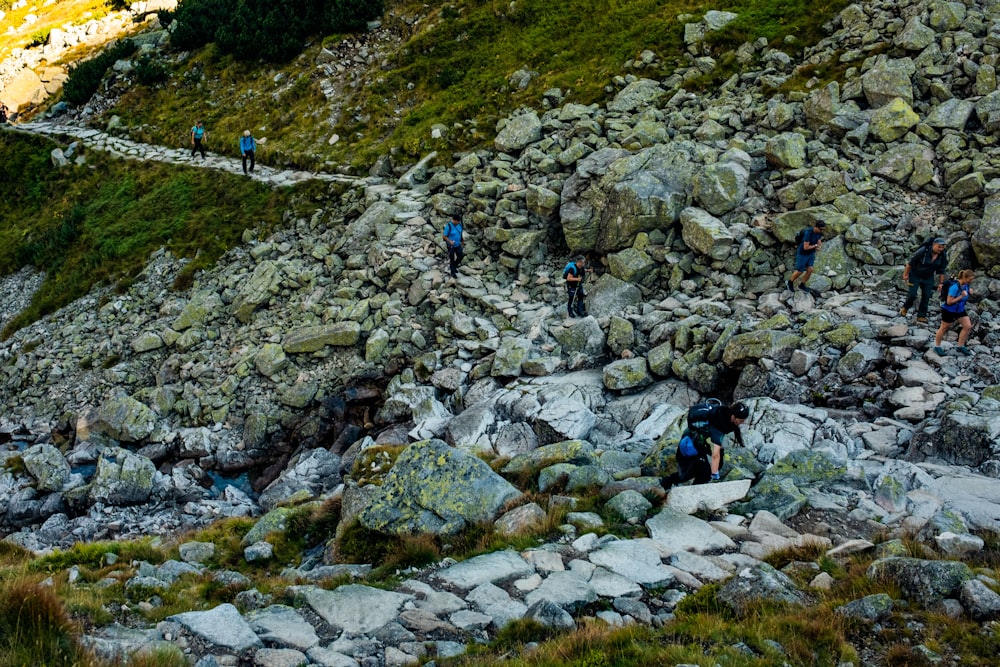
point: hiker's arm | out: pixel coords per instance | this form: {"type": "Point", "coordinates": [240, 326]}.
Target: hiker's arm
{"type": "Point", "coordinates": [952, 300]}
{"type": "Point", "coordinates": [716, 458]}
{"type": "Point", "coordinates": [906, 273]}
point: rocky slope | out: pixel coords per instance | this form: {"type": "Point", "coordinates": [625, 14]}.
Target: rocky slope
{"type": "Point", "coordinates": [343, 332]}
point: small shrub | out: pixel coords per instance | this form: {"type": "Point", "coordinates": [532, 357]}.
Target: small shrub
{"type": "Point", "coordinates": [149, 71]}
{"type": "Point", "coordinates": [85, 78]}
{"type": "Point", "coordinates": [35, 629]}
{"type": "Point", "coordinates": [39, 37]}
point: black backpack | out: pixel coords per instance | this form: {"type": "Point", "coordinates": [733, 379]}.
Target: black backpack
{"type": "Point", "coordinates": [699, 423]}
{"type": "Point", "coordinates": [945, 288]}
{"type": "Point", "coordinates": [800, 237]}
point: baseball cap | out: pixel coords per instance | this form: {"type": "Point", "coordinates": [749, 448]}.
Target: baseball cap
{"type": "Point", "coordinates": [740, 410]}
{"type": "Point", "coordinates": [939, 241]}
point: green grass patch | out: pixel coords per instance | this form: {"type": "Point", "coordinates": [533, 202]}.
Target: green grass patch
{"type": "Point", "coordinates": [98, 223]}
{"type": "Point", "coordinates": [94, 555]}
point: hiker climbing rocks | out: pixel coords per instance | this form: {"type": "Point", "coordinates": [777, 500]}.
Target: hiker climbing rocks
{"type": "Point", "coordinates": [699, 453]}
{"type": "Point", "coordinates": [197, 137]}
{"type": "Point", "coordinates": [929, 261]}
{"type": "Point", "coordinates": [809, 240]}
{"type": "Point", "coordinates": [575, 274]}
{"type": "Point", "coordinates": [453, 237]}
{"type": "Point", "coordinates": [248, 149]}
{"type": "Point", "coordinates": [954, 294]}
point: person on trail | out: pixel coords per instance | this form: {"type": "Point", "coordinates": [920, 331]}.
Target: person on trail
{"type": "Point", "coordinates": [929, 261]}
{"type": "Point", "coordinates": [575, 274]}
{"type": "Point", "coordinates": [3, 112]}
{"type": "Point", "coordinates": [809, 241]}
{"type": "Point", "coordinates": [953, 310]}
{"type": "Point", "coordinates": [699, 453]}
{"type": "Point", "coordinates": [453, 238]}
{"type": "Point", "coordinates": [248, 148]}
{"type": "Point", "coordinates": [197, 137]}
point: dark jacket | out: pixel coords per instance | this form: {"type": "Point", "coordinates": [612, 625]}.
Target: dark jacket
{"type": "Point", "coordinates": [923, 266]}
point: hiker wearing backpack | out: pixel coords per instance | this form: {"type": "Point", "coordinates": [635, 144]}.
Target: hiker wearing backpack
{"type": "Point", "coordinates": [575, 275]}
{"type": "Point", "coordinates": [248, 148]}
{"type": "Point", "coordinates": [699, 453]}
{"type": "Point", "coordinates": [809, 240]}
{"type": "Point", "coordinates": [954, 294]}
{"type": "Point", "coordinates": [197, 136]}
{"type": "Point", "coordinates": [453, 238]}
{"type": "Point", "coordinates": [928, 262]}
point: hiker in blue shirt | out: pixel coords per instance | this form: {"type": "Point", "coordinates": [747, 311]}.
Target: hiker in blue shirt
{"type": "Point", "coordinates": [197, 136]}
{"type": "Point", "coordinates": [248, 148]}
{"type": "Point", "coordinates": [453, 238]}
{"type": "Point", "coordinates": [810, 240]}
{"type": "Point", "coordinates": [575, 274]}
{"type": "Point", "coordinates": [953, 310]}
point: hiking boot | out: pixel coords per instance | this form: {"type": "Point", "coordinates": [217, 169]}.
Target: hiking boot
{"type": "Point", "coordinates": [903, 311]}
{"type": "Point", "coordinates": [789, 285]}
{"type": "Point", "coordinates": [939, 351]}
{"type": "Point", "coordinates": [922, 320]}
{"type": "Point", "coordinates": [814, 292]}
{"type": "Point", "coordinates": [964, 350]}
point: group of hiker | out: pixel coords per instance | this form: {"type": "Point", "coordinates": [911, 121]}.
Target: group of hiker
{"type": "Point", "coordinates": [247, 145]}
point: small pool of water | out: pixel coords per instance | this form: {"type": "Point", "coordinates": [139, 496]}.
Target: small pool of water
{"type": "Point", "coordinates": [241, 481]}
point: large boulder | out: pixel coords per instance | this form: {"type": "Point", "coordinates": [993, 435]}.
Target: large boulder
{"type": "Point", "coordinates": [705, 234]}
{"type": "Point", "coordinates": [609, 295]}
{"type": "Point", "coordinates": [986, 237]}
{"type": "Point", "coordinates": [122, 478]}
{"type": "Point", "coordinates": [764, 344]}
{"type": "Point", "coordinates": [923, 581]}
{"type": "Point", "coordinates": [786, 225]}
{"type": "Point", "coordinates": [786, 151]}
{"type": "Point", "coordinates": [613, 195]}
{"type": "Point", "coordinates": [125, 419]}
{"type": "Point", "coordinates": [721, 187]}
{"type": "Point", "coordinates": [640, 94]}
{"type": "Point", "coordinates": [204, 306]}
{"type": "Point", "coordinates": [759, 584]}
{"type": "Point", "coordinates": [968, 434]}
{"type": "Point", "coordinates": [314, 338]}
{"type": "Point", "coordinates": [903, 162]}
{"type": "Point", "coordinates": [887, 81]}
{"type": "Point", "coordinates": [433, 488]}
{"type": "Point", "coordinates": [892, 121]}
{"type": "Point", "coordinates": [626, 374]}
{"type": "Point", "coordinates": [518, 133]}
{"type": "Point", "coordinates": [26, 89]}
{"type": "Point", "coordinates": [313, 474]}
{"type": "Point", "coordinates": [263, 283]}
{"type": "Point", "coordinates": [46, 464]}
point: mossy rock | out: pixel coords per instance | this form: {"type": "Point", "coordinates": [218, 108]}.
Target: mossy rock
{"type": "Point", "coordinates": [843, 335]}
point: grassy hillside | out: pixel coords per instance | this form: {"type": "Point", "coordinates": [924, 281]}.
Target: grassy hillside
{"type": "Point", "coordinates": [99, 222]}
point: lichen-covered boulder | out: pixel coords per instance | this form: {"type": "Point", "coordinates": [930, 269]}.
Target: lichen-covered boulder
{"type": "Point", "coordinates": [263, 283]}
{"type": "Point", "coordinates": [46, 464]}
{"type": "Point", "coordinates": [508, 359]}
{"type": "Point", "coordinates": [706, 234]}
{"type": "Point", "coordinates": [313, 474]}
{"type": "Point", "coordinates": [627, 374]}
{"type": "Point", "coordinates": [433, 488]}
{"type": "Point", "coordinates": [923, 581]}
{"type": "Point", "coordinates": [314, 338]}
{"type": "Point", "coordinates": [887, 81]}
{"type": "Point", "coordinates": [125, 419]}
{"type": "Point", "coordinates": [557, 452]}
{"type": "Point", "coordinates": [518, 133]}
{"type": "Point", "coordinates": [638, 94]}
{"type": "Point", "coordinates": [858, 360]}
{"type": "Point", "coordinates": [915, 36]}
{"type": "Point", "coordinates": [543, 202]}
{"type": "Point", "coordinates": [585, 336]}
{"type": "Point", "coordinates": [721, 187]}
{"type": "Point", "coordinates": [892, 121]}
{"type": "Point", "coordinates": [564, 419]}
{"type": "Point", "coordinates": [901, 162]}
{"type": "Point", "coordinates": [609, 295]}
{"type": "Point", "coordinates": [613, 195]}
{"type": "Point", "coordinates": [968, 433]}
{"type": "Point", "coordinates": [203, 306]}
{"type": "Point", "coordinates": [786, 151]}
{"type": "Point", "coordinates": [951, 114]}
{"type": "Point", "coordinates": [753, 345]}
{"type": "Point", "coordinates": [632, 266]}
{"type": "Point", "coordinates": [756, 584]}
{"type": "Point", "coordinates": [786, 225]}
{"type": "Point", "coordinates": [986, 237]}
{"type": "Point", "coordinates": [122, 478]}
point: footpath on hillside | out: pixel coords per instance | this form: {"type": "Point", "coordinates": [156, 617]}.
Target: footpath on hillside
{"type": "Point", "coordinates": [132, 150]}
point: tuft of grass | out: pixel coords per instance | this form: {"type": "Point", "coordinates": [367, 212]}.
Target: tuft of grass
{"type": "Point", "coordinates": [35, 629]}
{"type": "Point", "coordinates": [93, 554]}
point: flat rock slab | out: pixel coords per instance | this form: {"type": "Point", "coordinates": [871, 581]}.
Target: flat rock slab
{"type": "Point", "coordinates": [486, 569]}
{"type": "Point", "coordinates": [564, 589]}
{"type": "Point", "coordinates": [639, 561]}
{"type": "Point", "coordinates": [354, 608]}
{"type": "Point", "coordinates": [706, 497]}
{"type": "Point", "coordinates": [222, 626]}
{"type": "Point", "coordinates": [284, 626]}
{"type": "Point", "coordinates": [680, 532]}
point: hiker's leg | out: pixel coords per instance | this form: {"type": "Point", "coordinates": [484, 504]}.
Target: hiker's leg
{"type": "Point", "coordinates": [253, 160]}
{"type": "Point", "coordinates": [244, 163]}
{"type": "Point", "coordinates": [459, 255]}
{"type": "Point", "coordinates": [926, 286]}
{"type": "Point", "coordinates": [966, 325]}
{"type": "Point", "coordinates": [570, 295]}
{"type": "Point", "coordinates": [452, 260]}
{"type": "Point", "coordinates": [942, 330]}
{"type": "Point", "coordinates": [702, 470]}
{"type": "Point", "coordinates": [807, 274]}
{"type": "Point", "coordinates": [581, 305]}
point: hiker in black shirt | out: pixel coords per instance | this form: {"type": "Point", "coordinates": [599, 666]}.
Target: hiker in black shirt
{"type": "Point", "coordinates": [929, 261]}
{"type": "Point", "coordinates": [700, 454]}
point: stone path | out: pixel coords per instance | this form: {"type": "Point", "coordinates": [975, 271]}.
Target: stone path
{"type": "Point", "coordinates": [132, 150]}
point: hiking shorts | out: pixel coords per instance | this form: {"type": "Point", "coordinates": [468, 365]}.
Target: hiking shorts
{"type": "Point", "coordinates": [804, 260]}
{"type": "Point", "coordinates": [949, 317]}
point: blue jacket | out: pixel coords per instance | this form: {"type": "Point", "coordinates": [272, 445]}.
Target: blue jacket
{"type": "Point", "coordinates": [198, 132]}
{"type": "Point", "coordinates": [453, 231]}
{"type": "Point", "coordinates": [247, 144]}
